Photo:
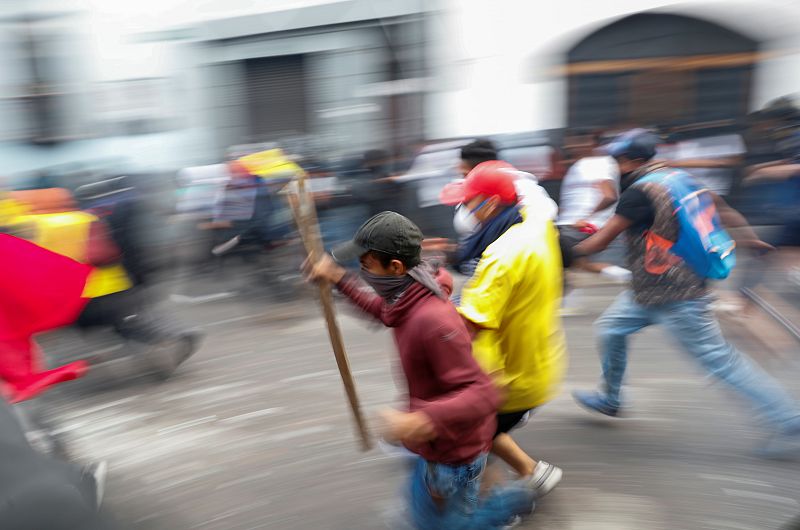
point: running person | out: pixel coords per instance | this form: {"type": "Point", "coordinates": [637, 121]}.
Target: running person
{"type": "Point", "coordinates": [589, 192]}
{"type": "Point", "coordinates": [674, 297]}
{"type": "Point", "coordinates": [451, 411]}
{"type": "Point", "coordinates": [511, 305]}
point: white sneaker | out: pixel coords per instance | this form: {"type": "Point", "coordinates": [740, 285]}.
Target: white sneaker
{"type": "Point", "coordinates": [227, 246]}
{"type": "Point", "coordinates": [572, 304]}
{"type": "Point", "coordinates": [618, 274]}
{"type": "Point", "coordinates": [545, 477]}
{"type": "Point", "coordinates": [565, 312]}
{"type": "Point", "coordinates": [95, 473]}
{"type": "Point", "coordinates": [794, 277]}
{"type": "Point", "coordinates": [395, 450]}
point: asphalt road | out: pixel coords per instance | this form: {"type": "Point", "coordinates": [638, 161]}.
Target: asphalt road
{"type": "Point", "coordinates": [254, 431]}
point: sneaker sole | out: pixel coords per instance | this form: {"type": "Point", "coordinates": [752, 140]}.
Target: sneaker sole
{"type": "Point", "coordinates": [615, 414]}
{"type": "Point", "coordinates": [598, 411]}
{"type": "Point", "coordinates": [100, 474]}
{"type": "Point", "coordinates": [550, 481]}
{"type": "Point", "coordinates": [226, 247]}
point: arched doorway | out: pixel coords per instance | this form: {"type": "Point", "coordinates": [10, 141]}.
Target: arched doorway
{"type": "Point", "coordinates": [653, 69]}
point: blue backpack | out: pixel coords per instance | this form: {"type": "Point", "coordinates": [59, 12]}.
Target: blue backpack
{"type": "Point", "coordinates": [703, 245]}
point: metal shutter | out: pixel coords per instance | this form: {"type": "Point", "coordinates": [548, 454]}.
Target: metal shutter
{"type": "Point", "coordinates": [276, 97]}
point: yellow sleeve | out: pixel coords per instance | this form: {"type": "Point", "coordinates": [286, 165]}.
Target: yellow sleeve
{"type": "Point", "coordinates": [486, 350]}
{"type": "Point", "coordinates": [484, 298]}
{"type": "Point", "coordinates": [483, 302]}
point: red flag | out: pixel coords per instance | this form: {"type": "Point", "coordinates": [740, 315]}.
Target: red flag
{"type": "Point", "coordinates": [39, 291]}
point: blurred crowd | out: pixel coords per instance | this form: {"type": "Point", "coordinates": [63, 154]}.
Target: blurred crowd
{"type": "Point", "coordinates": [129, 233]}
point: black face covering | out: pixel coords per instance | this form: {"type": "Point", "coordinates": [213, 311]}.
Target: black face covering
{"type": "Point", "coordinates": [387, 287]}
{"type": "Point", "coordinates": [626, 180]}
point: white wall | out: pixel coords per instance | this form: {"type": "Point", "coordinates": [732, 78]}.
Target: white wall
{"type": "Point", "coordinates": [493, 61]}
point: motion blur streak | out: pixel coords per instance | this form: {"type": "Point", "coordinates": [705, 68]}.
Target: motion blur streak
{"type": "Point", "coordinates": [156, 141]}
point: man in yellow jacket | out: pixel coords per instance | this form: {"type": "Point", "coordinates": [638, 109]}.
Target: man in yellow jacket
{"type": "Point", "coordinates": [511, 304]}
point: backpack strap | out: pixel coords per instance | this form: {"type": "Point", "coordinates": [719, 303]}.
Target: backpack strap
{"type": "Point", "coordinates": [655, 242]}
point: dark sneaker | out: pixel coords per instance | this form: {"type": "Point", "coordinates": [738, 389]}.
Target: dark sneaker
{"type": "Point", "coordinates": [189, 344]}
{"type": "Point", "coordinates": [595, 401]}
{"type": "Point", "coordinates": [782, 446]}
{"type": "Point", "coordinates": [95, 474]}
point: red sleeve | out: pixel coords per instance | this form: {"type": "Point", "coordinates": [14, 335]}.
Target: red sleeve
{"type": "Point", "coordinates": [40, 290]}
{"type": "Point", "coordinates": [368, 301]}
{"type": "Point", "coordinates": [473, 395]}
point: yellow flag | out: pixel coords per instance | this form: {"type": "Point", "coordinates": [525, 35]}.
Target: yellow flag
{"type": "Point", "coordinates": [272, 163]}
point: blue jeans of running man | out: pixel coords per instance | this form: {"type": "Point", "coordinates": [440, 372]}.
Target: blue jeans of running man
{"type": "Point", "coordinates": [693, 324]}
{"type": "Point", "coordinates": [457, 505]}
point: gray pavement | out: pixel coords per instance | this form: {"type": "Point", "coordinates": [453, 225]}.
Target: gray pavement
{"type": "Point", "coordinates": [254, 432]}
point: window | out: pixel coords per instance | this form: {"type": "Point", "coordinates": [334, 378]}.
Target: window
{"type": "Point", "coordinates": [532, 159]}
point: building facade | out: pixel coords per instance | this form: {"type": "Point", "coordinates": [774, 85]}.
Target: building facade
{"type": "Point", "coordinates": [165, 84]}
{"type": "Point", "coordinates": [335, 77]}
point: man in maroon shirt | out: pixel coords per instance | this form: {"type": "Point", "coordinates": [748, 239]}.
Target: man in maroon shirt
{"type": "Point", "coordinates": [450, 420]}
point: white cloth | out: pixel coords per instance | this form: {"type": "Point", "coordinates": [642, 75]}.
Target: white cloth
{"type": "Point", "coordinates": [580, 193]}
{"type": "Point", "coordinates": [531, 196]}
{"type": "Point", "coordinates": [534, 197]}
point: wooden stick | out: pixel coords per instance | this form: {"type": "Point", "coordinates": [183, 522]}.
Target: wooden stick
{"type": "Point", "coordinates": [305, 216]}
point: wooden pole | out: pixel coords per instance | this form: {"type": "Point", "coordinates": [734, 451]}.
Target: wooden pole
{"type": "Point", "coordinates": [305, 215]}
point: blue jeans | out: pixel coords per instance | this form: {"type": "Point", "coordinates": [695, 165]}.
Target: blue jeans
{"type": "Point", "coordinates": [693, 324]}
{"type": "Point", "coordinates": [457, 505]}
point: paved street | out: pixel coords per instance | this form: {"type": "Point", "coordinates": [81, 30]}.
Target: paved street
{"type": "Point", "coordinates": [253, 432]}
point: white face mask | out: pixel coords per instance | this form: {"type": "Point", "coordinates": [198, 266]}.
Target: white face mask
{"type": "Point", "coordinates": [465, 221]}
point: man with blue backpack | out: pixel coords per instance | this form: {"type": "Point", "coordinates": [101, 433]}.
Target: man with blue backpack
{"type": "Point", "coordinates": [675, 244]}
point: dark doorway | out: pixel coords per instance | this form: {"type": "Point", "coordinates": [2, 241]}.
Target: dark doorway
{"type": "Point", "coordinates": [659, 69]}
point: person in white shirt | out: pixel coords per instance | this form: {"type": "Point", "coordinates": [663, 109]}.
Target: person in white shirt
{"type": "Point", "coordinates": [589, 192]}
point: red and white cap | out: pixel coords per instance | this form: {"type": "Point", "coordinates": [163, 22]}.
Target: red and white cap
{"type": "Point", "coordinates": [492, 178]}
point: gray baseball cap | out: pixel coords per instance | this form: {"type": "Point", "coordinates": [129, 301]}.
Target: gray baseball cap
{"type": "Point", "coordinates": [635, 144]}
{"type": "Point", "coordinates": [387, 232]}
